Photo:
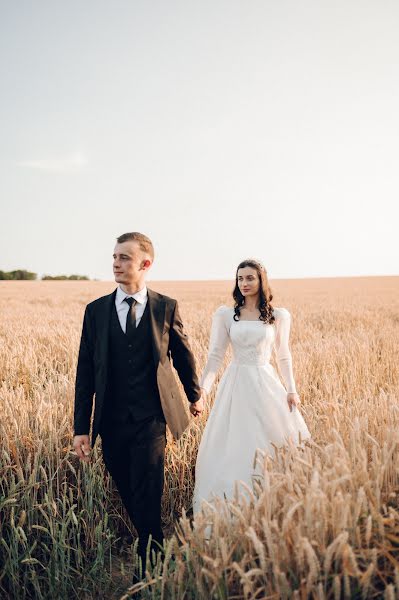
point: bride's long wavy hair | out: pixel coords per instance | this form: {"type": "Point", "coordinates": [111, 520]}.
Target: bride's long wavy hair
{"type": "Point", "coordinates": [265, 292]}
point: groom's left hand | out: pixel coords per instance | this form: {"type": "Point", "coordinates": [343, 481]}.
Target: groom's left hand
{"type": "Point", "coordinates": [196, 408]}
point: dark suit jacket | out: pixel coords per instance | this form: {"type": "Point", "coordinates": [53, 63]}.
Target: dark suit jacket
{"type": "Point", "coordinates": [168, 341]}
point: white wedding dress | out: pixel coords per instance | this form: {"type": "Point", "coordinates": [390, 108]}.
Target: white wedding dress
{"type": "Point", "coordinates": [250, 409]}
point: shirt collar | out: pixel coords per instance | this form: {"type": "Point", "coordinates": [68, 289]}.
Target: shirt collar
{"type": "Point", "coordinates": [140, 296]}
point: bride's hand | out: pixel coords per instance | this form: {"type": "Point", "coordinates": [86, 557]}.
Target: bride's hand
{"type": "Point", "coordinates": [196, 408]}
{"type": "Point", "coordinates": [293, 400]}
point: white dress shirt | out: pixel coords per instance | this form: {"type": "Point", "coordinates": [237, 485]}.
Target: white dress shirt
{"type": "Point", "coordinates": [122, 307]}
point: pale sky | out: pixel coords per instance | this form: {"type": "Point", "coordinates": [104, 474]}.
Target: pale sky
{"type": "Point", "coordinates": [221, 129]}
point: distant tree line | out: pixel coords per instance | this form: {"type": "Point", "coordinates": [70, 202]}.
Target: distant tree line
{"type": "Point", "coordinates": [22, 274]}
{"type": "Point", "coordinates": [17, 275]}
{"type": "Point", "coordinates": [65, 277]}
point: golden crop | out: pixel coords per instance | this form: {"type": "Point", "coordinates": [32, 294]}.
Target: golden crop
{"type": "Point", "coordinates": [323, 522]}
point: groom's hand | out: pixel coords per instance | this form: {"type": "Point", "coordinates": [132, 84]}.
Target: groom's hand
{"type": "Point", "coordinates": [196, 408]}
{"type": "Point", "coordinates": [81, 443]}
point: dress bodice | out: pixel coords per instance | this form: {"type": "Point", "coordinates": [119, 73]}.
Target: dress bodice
{"type": "Point", "coordinates": [252, 343]}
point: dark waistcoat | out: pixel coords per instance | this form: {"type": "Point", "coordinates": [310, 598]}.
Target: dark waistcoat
{"type": "Point", "coordinates": [132, 382]}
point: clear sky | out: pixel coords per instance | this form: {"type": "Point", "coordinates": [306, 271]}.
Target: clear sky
{"type": "Point", "coordinates": [222, 129]}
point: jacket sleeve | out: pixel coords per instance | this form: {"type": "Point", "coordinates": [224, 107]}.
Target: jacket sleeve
{"type": "Point", "coordinates": [283, 354]}
{"type": "Point", "coordinates": [84, 385]}
{"type": "Point", "coordinates": [183, 358]}
{"type": "Point", "coordinates": [218, 342]}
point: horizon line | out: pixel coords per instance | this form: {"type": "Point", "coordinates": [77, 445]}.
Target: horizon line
{"type": "Point", "coordinates": [212, 279]}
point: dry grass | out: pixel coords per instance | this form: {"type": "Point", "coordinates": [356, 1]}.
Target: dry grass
{"type": "Point", "coordinates": [323, 521]}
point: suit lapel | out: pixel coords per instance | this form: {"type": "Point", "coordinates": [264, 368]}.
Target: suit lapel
{"type": "Point", "coordinates": [103, 326]}
{"type": "Point", "coordinates": [157, 319]}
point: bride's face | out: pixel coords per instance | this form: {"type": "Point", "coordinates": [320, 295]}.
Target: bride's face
{"type": "Point", "coordinates": [248, 281]}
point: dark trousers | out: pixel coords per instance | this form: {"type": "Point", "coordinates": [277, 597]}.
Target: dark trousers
{"type": "Point", "coordinates": [134, 454]}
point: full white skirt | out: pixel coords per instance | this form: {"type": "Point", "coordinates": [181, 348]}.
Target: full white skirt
{"type": "Point", "coordinates": [250, 412]}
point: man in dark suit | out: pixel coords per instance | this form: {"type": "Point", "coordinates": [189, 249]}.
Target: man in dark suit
{"type": "Point", "coordinates": [128, 339]}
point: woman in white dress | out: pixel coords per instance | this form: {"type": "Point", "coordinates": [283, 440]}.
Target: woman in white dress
{"type": "Point", "coordinates": [252, 409]}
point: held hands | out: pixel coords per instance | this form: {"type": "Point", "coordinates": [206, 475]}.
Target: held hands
{"type": "Point", "coordinates": [196, 408]}
{"type": "Point", "coordinates": [293, 400]}
{"type": "Point", "coordinates": [81, 443]}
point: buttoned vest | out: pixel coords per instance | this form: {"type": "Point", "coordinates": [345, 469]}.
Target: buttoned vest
{"type": "Point", "coordinates": [132, 383]}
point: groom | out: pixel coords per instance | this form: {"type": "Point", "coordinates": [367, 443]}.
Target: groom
{"type": "Point", "coordinates": [128, 339]}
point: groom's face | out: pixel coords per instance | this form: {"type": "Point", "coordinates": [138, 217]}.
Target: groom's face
{"type": "Point", "coordinates": [130, 263]}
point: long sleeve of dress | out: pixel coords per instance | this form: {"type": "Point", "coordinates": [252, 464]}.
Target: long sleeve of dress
{"type": "Point", "coordinates": [283, 354]}
{"type": "Point", "coordinates": [219, 340]}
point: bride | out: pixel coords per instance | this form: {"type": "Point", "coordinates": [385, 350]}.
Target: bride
{"type": "Point", "coordinates": [252, 409]}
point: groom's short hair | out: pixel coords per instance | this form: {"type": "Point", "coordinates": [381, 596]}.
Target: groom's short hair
{"type": "Point", "coordinates": [144, 242]}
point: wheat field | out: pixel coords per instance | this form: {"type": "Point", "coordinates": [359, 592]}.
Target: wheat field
{"type": "Point", "coordinates": [322, 522]}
